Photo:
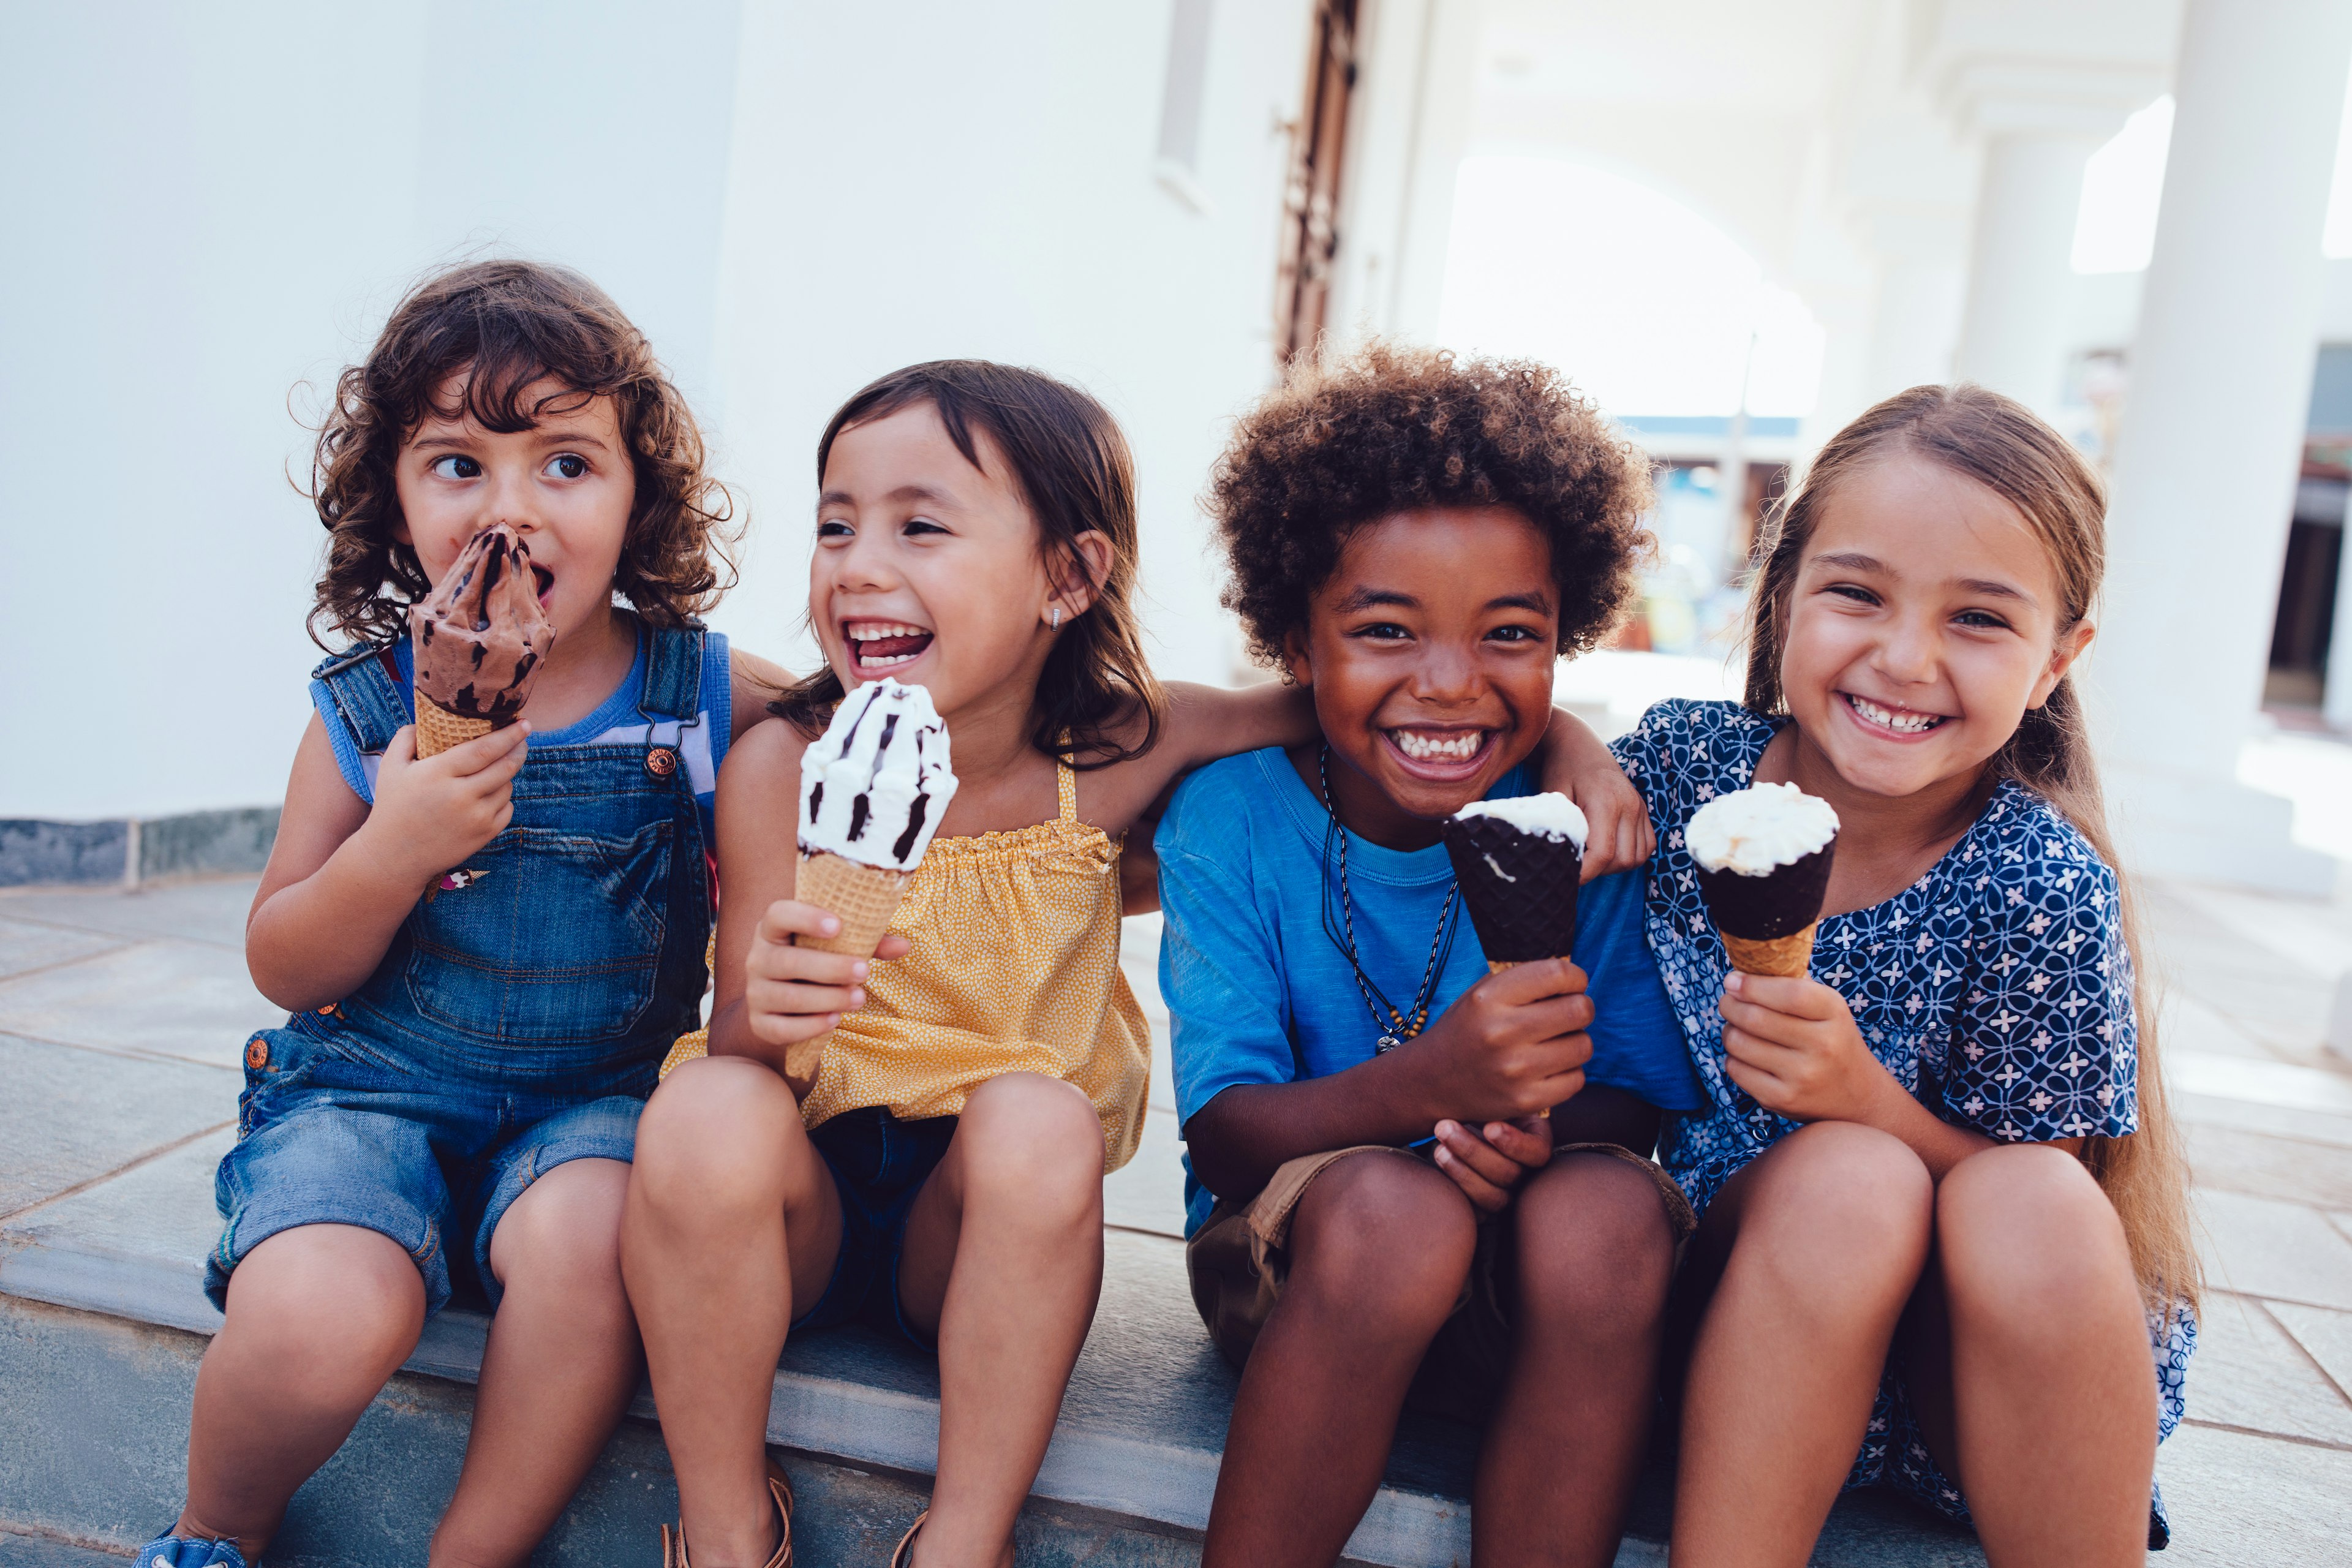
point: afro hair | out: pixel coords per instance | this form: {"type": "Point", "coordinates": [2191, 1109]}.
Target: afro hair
{"type": "Point", "coordinates": [1395, 429]}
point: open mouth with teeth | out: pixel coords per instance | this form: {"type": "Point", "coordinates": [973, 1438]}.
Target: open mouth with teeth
{"type": "Point", "coordinates": [1435, 754]}
{"type": "Point", "coordinates": [1891, 720]}
{"type": "Point", "coordinates": [877, 648]}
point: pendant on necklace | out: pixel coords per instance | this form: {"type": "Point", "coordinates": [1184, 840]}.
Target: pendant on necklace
{"type": "Point", "coordinates": [1387, 1044]}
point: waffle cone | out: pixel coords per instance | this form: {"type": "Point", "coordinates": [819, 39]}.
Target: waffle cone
{"type": "Point", "coordinates": [863, 898]}
{"type": "Point", "coordinates": [438, 728]}
{"type": "Point", "coordinates": [1787, 955]}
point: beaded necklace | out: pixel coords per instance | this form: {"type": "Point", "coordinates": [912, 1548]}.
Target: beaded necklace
{"type": "Point", "coordinates": [1395, 1025]}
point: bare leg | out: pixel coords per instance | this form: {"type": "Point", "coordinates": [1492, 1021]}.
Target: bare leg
{"type": "Point", "coordinates": [1813, 1251]}
{"type": "Point", "coordinates": [1004, 1263]}
{"type": "Point", "coordinates": [561, 1363]}
{"type": "Point", "coordinates": [2027, 1357]}
{"type": "Point", "coordinates": [1596, 1254]}
{"type": "Point", "coordinates": [319, 1317]}
{"type": "Point", "coordinates": [731, 1220]}
{"type": "Point", "coordinates": [1380, 1247]}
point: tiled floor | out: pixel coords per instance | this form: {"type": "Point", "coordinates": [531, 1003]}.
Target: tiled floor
{"type": "Point", "coordinates": [122, 1015]}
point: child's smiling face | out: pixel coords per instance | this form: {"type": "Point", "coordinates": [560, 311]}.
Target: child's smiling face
{"type": "Point", "coordinates": [567, 485]}
{"type": "Point", "coordinates": [1429, 652]}
{"type": "Point", "coordinates": [1925, 619]}
{"type": "Point", "coordinates": [928, 569]}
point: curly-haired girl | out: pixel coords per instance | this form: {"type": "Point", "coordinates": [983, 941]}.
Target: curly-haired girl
{"type": "Point", "coordinates": [484, 952]}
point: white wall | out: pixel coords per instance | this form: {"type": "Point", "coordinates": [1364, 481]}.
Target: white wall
{"type": "Point", "coordinates": [207, 208]}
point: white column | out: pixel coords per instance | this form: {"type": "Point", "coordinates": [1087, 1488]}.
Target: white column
{"type": "Point", "coordinates": [2020, 271]}
{"type": "Point", "coordinates": [2212, 436]}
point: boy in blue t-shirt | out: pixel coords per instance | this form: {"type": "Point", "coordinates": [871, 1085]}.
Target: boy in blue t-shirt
{"type": "Point", "coordinates": [1378, 1206]}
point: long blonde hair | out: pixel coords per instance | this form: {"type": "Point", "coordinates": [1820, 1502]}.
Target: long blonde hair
{"type": "Point", "coordinates": [2002, 445]}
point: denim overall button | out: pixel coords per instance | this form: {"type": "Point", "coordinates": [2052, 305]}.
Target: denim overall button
{"type": "Point", "coordinates": [256, 1053]}
{"type": "Point", "coordinates": [661, 761]}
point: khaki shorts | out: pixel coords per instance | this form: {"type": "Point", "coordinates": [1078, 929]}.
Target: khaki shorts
{"type": "Point", "coordinates": [1239, 1259]}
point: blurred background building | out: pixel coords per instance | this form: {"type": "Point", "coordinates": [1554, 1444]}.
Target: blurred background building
{"type": "Point", "coordinates": [1736, 226]}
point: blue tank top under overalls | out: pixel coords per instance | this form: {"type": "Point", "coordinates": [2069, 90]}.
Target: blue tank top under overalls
{"type": "Point", "coordinates": [571, 953]}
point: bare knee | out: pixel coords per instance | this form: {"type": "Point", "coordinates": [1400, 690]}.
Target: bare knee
{"type": "Point", "coordinates": [330, 1304]}
{"type": "Point", "coordinates": [719, 1142]}
{"type": "Point", "coordinates": [1384, 1242]}
{"type": "Point", "coordinates": [1595, 1246]}
{"type": "Point", "coordinates": [2025, 1236]}
{"type": "Point", "coordinates": [1033, 1142]}
{"type": "Point", "coordinates": [565, 1231]}
{"type": "Point", "coordinates": [1838, 1209]}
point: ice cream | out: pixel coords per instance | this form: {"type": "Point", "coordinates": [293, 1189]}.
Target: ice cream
{"type": "Point", "coordinates": [1518, 862]}
{"type": "Point", "coordinates": [1763, 856]}
{"type": "Point", "coordinates": [479, 638]}
{"type": "Point", "coordinates": [873, 789]}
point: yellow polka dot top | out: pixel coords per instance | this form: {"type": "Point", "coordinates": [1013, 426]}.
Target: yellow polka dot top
{"type": "Point", "coordinates": [1013, 968]}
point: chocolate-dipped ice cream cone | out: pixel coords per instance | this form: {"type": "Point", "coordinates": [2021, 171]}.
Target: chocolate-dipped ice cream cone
{"type": "Point", "coordinates": [873, 789]}
{"type": "Point", "coordinates": [479, 638]}
{"type": "Point", "coordinates": [1518, 862]}
{"type": "Point", "coordinates": [1763, 856]}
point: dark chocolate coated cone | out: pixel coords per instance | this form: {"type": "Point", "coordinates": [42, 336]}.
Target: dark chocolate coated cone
{"type": "Point", "coordinates": [1520, 888]}
{"type": "Point", "coordinates": [1782, 903]}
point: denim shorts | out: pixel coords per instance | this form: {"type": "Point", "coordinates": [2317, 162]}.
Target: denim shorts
{"type": "Point", "coordinates": [331, 1132]}
{"type": "Point", "coordinates": [880, 1164]}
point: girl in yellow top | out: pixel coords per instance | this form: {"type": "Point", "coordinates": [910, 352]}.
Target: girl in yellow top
{"type": "Point", "coordinates": [941, 1170]}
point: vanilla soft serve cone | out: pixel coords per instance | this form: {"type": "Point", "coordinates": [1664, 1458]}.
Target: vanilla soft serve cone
{"type": "Point", "coordinates": [873, 789]}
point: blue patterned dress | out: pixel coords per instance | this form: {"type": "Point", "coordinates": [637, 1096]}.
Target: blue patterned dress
{"type": "Point", "coordinates": [1996, 989]}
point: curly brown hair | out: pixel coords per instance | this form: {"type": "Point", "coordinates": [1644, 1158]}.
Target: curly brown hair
{"type": "Point", "coordinates": [1395, 428]}
{"type": "Point", "coordinates": [490, 331]}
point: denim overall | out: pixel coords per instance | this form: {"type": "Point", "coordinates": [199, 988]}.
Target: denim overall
{"type": "Point", "coordinates": [516, 1020]}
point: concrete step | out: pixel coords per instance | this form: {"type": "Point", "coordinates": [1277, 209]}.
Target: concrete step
{"type": "Point", "coordinates": [101, 1325]}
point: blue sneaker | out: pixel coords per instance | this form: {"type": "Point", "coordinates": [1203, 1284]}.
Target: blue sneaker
{"type": "Point", "coordinates": [174, 1551]}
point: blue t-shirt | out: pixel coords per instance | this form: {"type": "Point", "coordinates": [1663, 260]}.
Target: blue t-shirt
{"type": "Point", "coordinates": [1258, 993]}
{"type": "Point", "coordinates": [617, 720]}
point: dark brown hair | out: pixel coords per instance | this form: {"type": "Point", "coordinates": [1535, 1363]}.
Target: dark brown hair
{"type": "Point", "coordinates": [500, 328]}
{"type": "Point", "coordinates": [1071, 465]}
{"type": "Point", "coordinates": [2002, 445]}
{"type": "Point", "coordinates": [1395, 429]}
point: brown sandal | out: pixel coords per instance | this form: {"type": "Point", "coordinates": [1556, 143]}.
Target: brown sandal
{"type": "Point", "coordinates": [905, 1556]}
{"type": "Point", "coordinates": [780, 1492]}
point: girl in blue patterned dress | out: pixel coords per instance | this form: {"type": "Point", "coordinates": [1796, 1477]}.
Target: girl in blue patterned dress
{"type": "Point", "coordinates": [1945, 1213]}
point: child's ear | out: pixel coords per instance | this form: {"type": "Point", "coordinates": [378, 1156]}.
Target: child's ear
{"type": "Point", "coordinates": [2063, 655]}
{"type": "Point", "coordinates": [1085, 570]}
{"type": "Point", "coordinates": [1295, 663]}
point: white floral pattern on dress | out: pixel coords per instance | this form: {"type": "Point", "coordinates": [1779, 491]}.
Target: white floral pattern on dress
{"type": "Point", "coordinates": [1996, 989]}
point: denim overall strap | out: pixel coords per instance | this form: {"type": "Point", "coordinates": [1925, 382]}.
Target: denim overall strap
{"type": "Point", "coordinates": [674, 675]}
{"type": "Point", "coordinates": [370, 696]}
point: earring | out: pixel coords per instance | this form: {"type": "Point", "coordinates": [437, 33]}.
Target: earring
{"type": "Point", "coordinates": [1053, 618]}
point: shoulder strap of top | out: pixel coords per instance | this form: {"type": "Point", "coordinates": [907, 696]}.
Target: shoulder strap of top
{"type": "Point", "coordinates": [674, 673]}
{"type": "Point", "coordinates": [370, 698]}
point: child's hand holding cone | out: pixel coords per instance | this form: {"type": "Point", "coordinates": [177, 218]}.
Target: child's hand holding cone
{"type": "Point", "coordinates": [800, 978]}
